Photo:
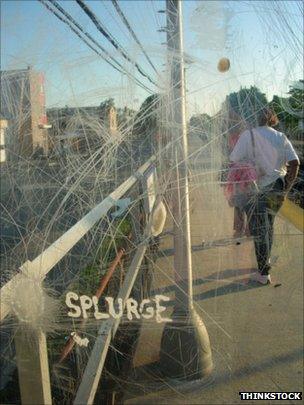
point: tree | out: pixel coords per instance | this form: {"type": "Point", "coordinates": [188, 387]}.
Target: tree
{"type": "Point", "coordinates": [146, 128]}
{"type": "Point", "coordinates": [125, 118]}
{"type": "Point", "coordinates": [296, 98]}
{"type": "Point", "coordinates": [200, 124]}
{"type": "Point", "coordinates": [277, 105]}
{"type": "Point", "coordinates": [246, 103]}
{"type": "Point", "coordinates": [108, 103]}
{"type": "Point", "coordinates": [290, 109]}
{"type": "Point", "coordinates": [146, 120]}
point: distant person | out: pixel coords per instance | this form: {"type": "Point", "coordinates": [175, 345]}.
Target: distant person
{"type": "Point", "coordinates": [277, 165]}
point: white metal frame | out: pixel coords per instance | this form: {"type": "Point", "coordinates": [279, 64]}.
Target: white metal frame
{"type": "Point", "coordinates": [33, 369]}
{"type": "Point", "coordinates": [43, 263]}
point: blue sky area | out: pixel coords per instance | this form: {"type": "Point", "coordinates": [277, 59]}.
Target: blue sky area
{"type": "Point", "coordinates": [262, 39]}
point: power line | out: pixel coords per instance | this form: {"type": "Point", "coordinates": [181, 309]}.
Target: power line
{"type": "Point", "coordinates": [73, 29]}
{"type": "Point", "coordinates": [69, 17]}
{"type": "Point", "coordinates": [67, 22]}
{"type": "Point", "coordinates": [125, 21]}
{"type": "Point", "coordinates": [110, 38]}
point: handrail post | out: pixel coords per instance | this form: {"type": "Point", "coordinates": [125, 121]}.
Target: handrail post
{"type": "Point", "coordinates": [33, 367]}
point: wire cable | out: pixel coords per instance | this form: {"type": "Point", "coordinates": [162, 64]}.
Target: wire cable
{"type": "Point", "coordinates": [69, 17]}
{"type": "Point", "coordinates": [127, 24]}
{"type": "Point", "coordinates": [67, 22]}
{"type": "Point", "coordinates": [111, 39]}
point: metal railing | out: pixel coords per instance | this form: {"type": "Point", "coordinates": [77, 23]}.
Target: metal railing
{"type": "Point", "coordinates": [31, 351]}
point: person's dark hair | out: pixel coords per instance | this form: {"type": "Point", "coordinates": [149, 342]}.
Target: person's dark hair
{"type": "Point", "coordinates": [267, 117]}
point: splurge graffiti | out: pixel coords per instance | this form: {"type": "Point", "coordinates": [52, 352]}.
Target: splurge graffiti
{"type": "Point", "coordinates": [85, 306]}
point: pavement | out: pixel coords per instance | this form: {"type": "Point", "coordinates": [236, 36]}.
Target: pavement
{"type": "Point", "coordinates": [256, 332]}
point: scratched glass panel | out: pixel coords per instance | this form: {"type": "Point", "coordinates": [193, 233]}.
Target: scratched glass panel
{"type": "Point", "coordinates": [151, 201]}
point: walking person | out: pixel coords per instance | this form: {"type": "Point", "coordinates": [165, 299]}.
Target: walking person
{"type": "Point", "coordinates": [277, 165]}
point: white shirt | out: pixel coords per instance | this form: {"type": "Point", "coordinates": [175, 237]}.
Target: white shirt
{"type": "Point", "coordinates": [272, 150]}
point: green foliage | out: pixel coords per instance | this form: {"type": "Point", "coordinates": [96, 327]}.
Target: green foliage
{"type": "Point", "coordinates": [124, 118]}
{"type": "Point", "coordinates": [278, 104]}
{"type": "Point", "coordinates": [146, 120]}
{"type": "Point", "coordinates": [89, 277]}
{"type": "Point", "coordinates": [108, 103]}
{"type": "Point", "coordinates": [110, 245]}
{"type": "Point", "coordinates": [200, 124]}
{"type": "Point", "coordinates": [246, 104]}
{"type": "Point", "coordinates": [200, 121]}
{"type": "Point", "coordinates": [290, 109]}
{"type": "Point", "coordinates": [296, 98]}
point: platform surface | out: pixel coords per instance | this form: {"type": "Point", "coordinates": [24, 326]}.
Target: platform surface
{"type": "Point", "coordinates": [256, 332]}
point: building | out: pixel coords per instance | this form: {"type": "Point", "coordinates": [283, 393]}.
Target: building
{"type": "Point", "coordinates": [80, 128]}
{"type": "Point", "coordinates": [108, 116]}
{"type": "Point", "coordinates": [23, 105]}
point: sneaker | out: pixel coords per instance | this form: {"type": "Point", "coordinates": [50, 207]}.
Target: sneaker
{"type": "Point", "coordinates": [260, 278]}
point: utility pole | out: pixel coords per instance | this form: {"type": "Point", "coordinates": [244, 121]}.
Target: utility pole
{"type": "Point", "coordinates": [185, 346]}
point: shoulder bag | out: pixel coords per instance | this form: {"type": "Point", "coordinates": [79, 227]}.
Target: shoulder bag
{"type": "Point", "coordinates": [242, 179]}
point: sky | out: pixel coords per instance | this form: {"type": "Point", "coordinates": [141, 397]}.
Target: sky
{"type": "Point", "coordinates": [262, 39]}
